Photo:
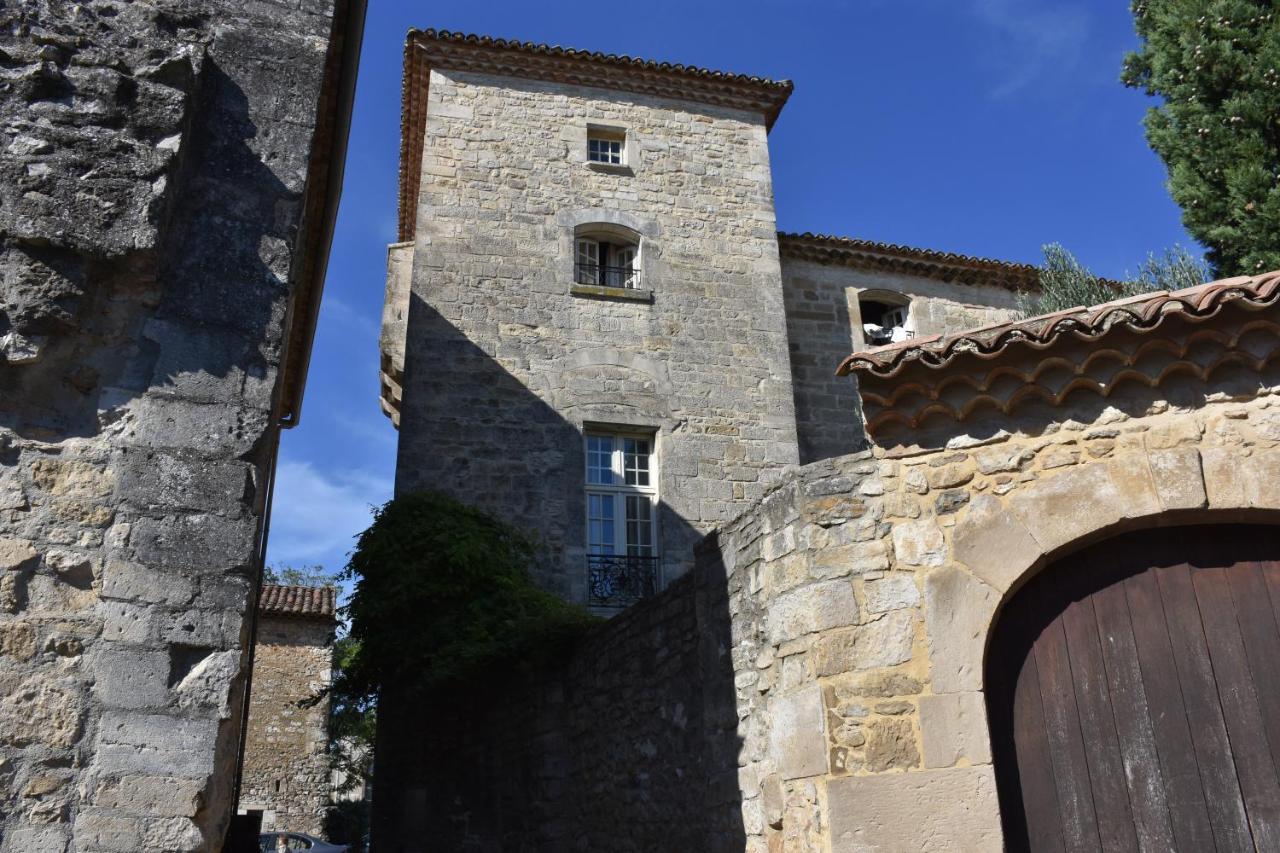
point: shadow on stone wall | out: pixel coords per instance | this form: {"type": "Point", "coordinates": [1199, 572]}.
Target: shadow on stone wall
{"type": "Point", "coordinates": [185, 305]}
{"type": "Point", "coordinates": [630, 742]}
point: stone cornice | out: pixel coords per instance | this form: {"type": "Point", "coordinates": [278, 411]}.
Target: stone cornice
{"type": "Point", "coordinates": [427, 49]}
{"type": "Point", "coordinates": [907, 260]}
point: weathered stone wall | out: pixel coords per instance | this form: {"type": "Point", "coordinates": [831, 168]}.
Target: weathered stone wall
{"type": "Point", "coordinates": [504, 364]}
{"type": "Point", "coordinates": [858, 596]}
{"type": "Point", "coordinates": [150, 194]}
{"type": "Point", "coordinates": [286, 761]}
{"type": "Point", "coordinates": [863, 591]}
{"type": "Point", "coordinates": [628, 744]}
{"type": "Point", "coordinates": [824, 326]}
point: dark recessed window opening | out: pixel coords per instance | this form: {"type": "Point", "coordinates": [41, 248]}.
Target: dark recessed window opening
{"type": "Point", "coordinates": [884, 321]}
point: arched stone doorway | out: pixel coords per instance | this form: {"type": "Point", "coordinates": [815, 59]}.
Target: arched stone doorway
{"type": "Point", "coordinates": [1133, 691]}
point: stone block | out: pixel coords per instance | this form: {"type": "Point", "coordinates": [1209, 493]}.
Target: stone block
{"type": "Point", "coordinates": [25, 838]}
{"type": "Point", "coordinates": [953, 727]}
{"type": "Point", "coordinates": [1061, 509]}
{"type": "Point", "coordinates": [958, 612]}
{"type": "Point", "coordinates": [44, 708]}
{"type": "Point", "coordinates": [816, 607]}
{"type": "Point", "coordinates": [1178, 478]}
{"type": "Point", "coordinates": [919, 542]}
{"type": "Point", "coordinates": [885, 642]}
{"type": "Point", "coordinates": [130, 677]}
{"type": "Point", "coordinates": [893, 592]}
{"type": "Point", "coordinates": [1225, 477]}
{"type": "Point", "coordinates": [16, 553]}
{"type": "Point", "coordinates": [135, 582]}
{"type": "Point", "coordinates": [17, 640]}
{"type": "Point", "coordinates": [993, 543]}
{"type": "Point", "coordinates": [938, 811]}
{"type": "Point", "coordinates": [891, 745]}
{"type": "Point", "coordinates": [797, 735]}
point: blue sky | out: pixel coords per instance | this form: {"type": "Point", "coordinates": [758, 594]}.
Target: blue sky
{"type": "Point", "coordinates": [987, 127]}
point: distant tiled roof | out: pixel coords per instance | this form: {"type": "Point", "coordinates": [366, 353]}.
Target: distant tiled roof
{"type": "Point", "coordinates": [316, 602]}
{"type": "Point", "coordinates": [1143, 312]}
{"type": "Point", "coordinates": [427, 49]}
{"type": "Point", "coordinates": [926, 263]}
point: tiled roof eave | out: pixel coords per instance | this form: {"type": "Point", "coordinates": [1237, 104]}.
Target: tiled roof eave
{"type": "Point", "coordinates": [925, 263]}
{"type": "Point", "coordinates": [1142, 314]}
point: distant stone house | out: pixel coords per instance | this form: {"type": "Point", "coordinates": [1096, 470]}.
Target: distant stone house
{"type": "Point", "coordinates": [286, 762]}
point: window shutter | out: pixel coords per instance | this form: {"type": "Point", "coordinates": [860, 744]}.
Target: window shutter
{"type": "Point", "coordinates": [588, 262]}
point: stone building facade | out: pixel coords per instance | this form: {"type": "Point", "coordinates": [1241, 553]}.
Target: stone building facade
{"type": "Point", "coordinates": [286, 772]}
{"type": "Point", "coordinates": [843, 664]}
{"type": "Point", "coordinates": [170, 174]}
{"type": "Point", "coordinates": [589, 265]}
{"type": "Point", "coordinates": [825, 679]}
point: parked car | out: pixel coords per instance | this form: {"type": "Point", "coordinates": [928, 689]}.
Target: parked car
{"type": "Point", "coordinates": [270, 842]}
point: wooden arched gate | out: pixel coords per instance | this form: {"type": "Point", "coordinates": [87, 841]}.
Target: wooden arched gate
{"type": "Point", "coordinates": [1134, 696]}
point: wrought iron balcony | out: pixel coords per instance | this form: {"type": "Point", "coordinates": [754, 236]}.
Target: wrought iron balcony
{"type": "Point", "coordinates": [618, 581]}
{"type": "Point", "coordinates": [605, 276]}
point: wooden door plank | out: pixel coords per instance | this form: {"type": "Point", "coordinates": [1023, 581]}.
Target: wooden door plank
{"type": "Point", "coordinates": [1204, 713]}
{"type": "Point", "coordinates": [1142, 768]}
{"type": "Point", "coordinates": [1261, 637]}
{"type": "Point", "coordinates": [1184, 791]}
{"type": "Point", "coordinates": [1035, 764]}
{"type": "Point", "coordinates": [1066, 741]}
{"type": "Point", "coordinates": [1101, 744]}
{"type": "Point", "coordinates": [1240, 708]}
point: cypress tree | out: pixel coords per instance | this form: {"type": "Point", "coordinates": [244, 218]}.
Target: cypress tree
{"type": "Point", "coordinates": [1216, 66]}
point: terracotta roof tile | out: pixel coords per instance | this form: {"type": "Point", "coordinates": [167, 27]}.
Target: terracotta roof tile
{"type": "Point", "coordinates": [1140, 313]}
{"type": "Point", "coordinates": [427, 49]}
{"type": "Point", "coordinates": [316, 602]}
{"type": "Point", "coordinates": [927, 263]}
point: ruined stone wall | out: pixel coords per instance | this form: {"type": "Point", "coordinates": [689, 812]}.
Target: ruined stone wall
{"type": "Point", "coordinates": [286, 761]}
{"type": "Point", "coordinates": [505, 363]}
{"type": "Point", "coordinates": [626, 743]}
{"type": "Point", "coordinates": [150, 194]}
{"type": "Point", "coordinates": [824, 326]}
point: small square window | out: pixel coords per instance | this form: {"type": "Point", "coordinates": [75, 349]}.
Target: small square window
{"type": "Point", "coordinates": [605, 146]}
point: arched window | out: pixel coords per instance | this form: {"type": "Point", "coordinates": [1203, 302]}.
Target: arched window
{"type": "Point", "coordinates": [606, 255]}
{"type": "Point", "coordinates": [886, 317]}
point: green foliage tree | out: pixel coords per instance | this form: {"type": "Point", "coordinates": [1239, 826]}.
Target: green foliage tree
{"type": "Point", "coordinates": [442, 590]}
{"type": "Point", "coordinates": [1066, 283]}
{"type": "Point", "coordinates": [299, 575]}
{"type": "Point", "coordinates": [1216, 65]}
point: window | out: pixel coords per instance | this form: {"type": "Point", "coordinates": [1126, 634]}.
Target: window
{"type": "Point", "coordinates": [606, 146]}
{"type": "Point", "coordinates": [607, 257]}
{"type": "Point", "coordinates": [622, 497]}
{"type": "Point", "coordinates": [886, 317]}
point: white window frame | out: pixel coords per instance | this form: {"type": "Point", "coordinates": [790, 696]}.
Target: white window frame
{"type": "Point", "coordinates": [610, 145]}
{"type": "Point", "coordinates": [618, 491]}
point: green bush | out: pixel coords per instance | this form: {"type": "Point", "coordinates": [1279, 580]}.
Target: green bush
{"type": "Point", "coordinates": [442, 590]}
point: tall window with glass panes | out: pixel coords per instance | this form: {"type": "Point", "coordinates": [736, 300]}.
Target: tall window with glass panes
{"type": "Point", "coordinates": [622, 502]}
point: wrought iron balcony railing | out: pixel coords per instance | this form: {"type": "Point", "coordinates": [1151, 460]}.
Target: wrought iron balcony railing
{"type": "Point", "coordinates": [606, 276]}
{"type": "Point", "coordinates": [618, 581]}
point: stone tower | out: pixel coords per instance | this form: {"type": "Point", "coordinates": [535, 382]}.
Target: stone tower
{"type": "Point", "coordinates": [585, 328]}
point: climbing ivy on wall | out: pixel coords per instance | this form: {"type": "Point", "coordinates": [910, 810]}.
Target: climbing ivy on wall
{"type": "Point", "coordinates": [442, 591]}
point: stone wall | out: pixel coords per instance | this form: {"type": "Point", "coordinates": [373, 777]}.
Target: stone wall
{"type": "Point", "coordinates": [286, 761]}
{"type": "Point", "coordinates": [628, 743]}
{"type": "Point", "coordinates": [151, 191]}
{"type": "Point", "coordinates": [824, 326]}
{"type": "Point", "coordinates": [863, 591]}
{"type": "Point", "coordinates": [858, 597]}
{"type": "Point", "coordinates": [505, 364]}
